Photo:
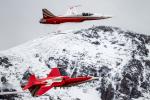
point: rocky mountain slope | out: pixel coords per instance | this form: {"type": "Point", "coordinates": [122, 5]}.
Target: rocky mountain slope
{"type": "Point", "coordinates": [118, 57]}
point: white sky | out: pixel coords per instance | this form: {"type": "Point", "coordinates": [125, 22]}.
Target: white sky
{"type": "Point", "coordinates": [19, 19]}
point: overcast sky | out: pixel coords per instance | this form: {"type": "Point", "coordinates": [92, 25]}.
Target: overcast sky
{"type": "Point", "coordinates": [19, 19]}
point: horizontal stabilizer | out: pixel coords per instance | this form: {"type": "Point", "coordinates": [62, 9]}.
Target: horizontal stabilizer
{"type": "Point", "coordinates": [30, 83]}
{"type": "Point", "coordinates": [43, 90]}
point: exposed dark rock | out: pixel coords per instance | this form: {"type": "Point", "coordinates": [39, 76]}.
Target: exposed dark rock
{"type": "Point", "coordinates": [131, 78]}
{"type": "Point", "coordinates": [107, 93]}
{"type": "Point", "coordinates": [96, 43]}
{"type": "Point", "coordinates": [114, 42]}
{"type": "Point", "coordinates": [58, 98]}
{"type": "Point", "coordinates": [125, 86]}
{"type": "Point", "coordinates": [4, 61]}
{"type": "Point", "coordinates": [135, 93]}
{"type": "Point", "coordinates": [122, 44]}
{"type": "Point", "coordinates": [64, 50]}
{"type": "Point", "coordinates": [147, 63]}
{"type": "Point", "coordinates": [37, 55]}
{"type": "Point", "coordinates": [145, 85]}
{"type": "Point", "coordinates": [105, 28]}
{"type": "Point", "coordinates": [3, 80]}
{"type": "Point", "coordinates": [103, 71]}
{"type": "Point", "coordinates": [77, 99]}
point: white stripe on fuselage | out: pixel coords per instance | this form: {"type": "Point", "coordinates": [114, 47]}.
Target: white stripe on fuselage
{"type": "Point", "coordinates": [52, 80]}
{"type": "Point", "coordinates": [80, 15]}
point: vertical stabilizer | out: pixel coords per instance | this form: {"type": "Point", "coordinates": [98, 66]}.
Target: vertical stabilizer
{"type": "Point", "coordinates": [54, 72]}
{"type": "Point", "coordinates": [47, 14]}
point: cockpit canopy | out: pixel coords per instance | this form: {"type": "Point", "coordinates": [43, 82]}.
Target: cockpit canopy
{"type": "Point", "coordinates": [87, 14]}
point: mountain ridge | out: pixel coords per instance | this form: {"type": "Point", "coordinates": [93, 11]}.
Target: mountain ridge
{"type": "Point", "coordinates": [119, 58]}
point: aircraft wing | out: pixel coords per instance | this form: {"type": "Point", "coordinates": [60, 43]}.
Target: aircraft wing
{"type": "Point", "coordinates": [43, 89]}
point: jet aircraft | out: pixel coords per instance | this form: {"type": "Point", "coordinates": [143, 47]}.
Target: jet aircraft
{"type": "Point", "coordinates": [56, 78]}
{"type": "Point", "coordinates": [49, 18]}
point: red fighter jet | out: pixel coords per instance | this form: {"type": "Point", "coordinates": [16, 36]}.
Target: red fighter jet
{"type": "Point", "coordinates": [49, 18]}
{"type": "Point", "coordinates": [38, 87]}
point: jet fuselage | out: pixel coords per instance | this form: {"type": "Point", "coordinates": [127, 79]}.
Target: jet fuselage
{"type": "Point", "coordinates": [59, 20]}
{"type": "Point", "coordinates": [38, 87]}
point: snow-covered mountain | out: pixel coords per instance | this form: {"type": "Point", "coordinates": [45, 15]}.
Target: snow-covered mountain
{"type": "Point", "coordinates": [118, 57]}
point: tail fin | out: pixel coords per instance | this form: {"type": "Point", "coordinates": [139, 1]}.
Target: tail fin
{"type": "Point", "coordinates": [30, 83]}
{"type": "Point", "coordinates": [47, 14]}
{"type": "Point", "coordinates": [54, 72]}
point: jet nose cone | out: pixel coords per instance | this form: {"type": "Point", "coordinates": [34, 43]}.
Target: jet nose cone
{"type": "Point", "coordinates": [95, 78]}
{"type": "Point", "coordinates": [109, 17]}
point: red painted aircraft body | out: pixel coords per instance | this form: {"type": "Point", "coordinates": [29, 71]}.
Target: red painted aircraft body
{"type": "Point", "coordinates": [49, 18]}
{"type": "Point", "coordinates": [38, 87]}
